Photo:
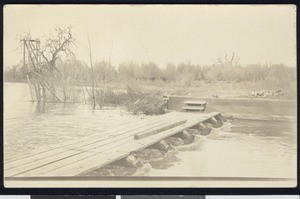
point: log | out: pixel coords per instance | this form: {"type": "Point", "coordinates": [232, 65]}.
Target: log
{"type": "Point", "coordinates": [134, 162]}
{"type": "Point", "coordinates": [143, 171]}
{"type": "Point", "coordinates": [205, 128]}
{"type": "Point", "coordinates": [221, 117]}
{"type": "Point", "coordinates": [215, 123]}
{"type": "Point", "coordinates": [187, 136]}
{"type": "Point", "coordinates": [213, 120]}
{"type": "Point", "coordinates": [162, 145]}
{"type": "Point", "coordinates": [202, 128]}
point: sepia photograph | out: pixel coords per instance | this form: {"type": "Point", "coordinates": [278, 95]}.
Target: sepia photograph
{"type": "Point", "coordinates": [151, 96]}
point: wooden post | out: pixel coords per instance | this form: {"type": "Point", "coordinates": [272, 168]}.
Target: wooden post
{"type": "Point", "coordinates": [221, 117]}
{"type": "Point", "coordinates": [92, 70]}
{"type": "Point", "coordinates": [162, 145]}
{"type": "Point", "coordinates": [215, 123]}
{"type": "Point", "coordinates": [201, 126]}
{"type": "Point", "coordinates": [132, 161]}
{"type": "Point", "coordinates": [213, 120]}
{"type": "Point", "coordinates": [25, 66]}
{"type": "Point", "coordinates": [36, 82]}
{"type": "Point", "coordinates": [205, 129]}
{"type": "Point", "coordinates": [187, 136]}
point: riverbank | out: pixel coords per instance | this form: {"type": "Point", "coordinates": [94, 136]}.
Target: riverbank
{"type": "Point", "coordinates": [243, 106]}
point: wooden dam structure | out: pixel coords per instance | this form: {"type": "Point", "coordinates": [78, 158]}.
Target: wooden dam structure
{"type": "Point", "coordinates": [78, 157]}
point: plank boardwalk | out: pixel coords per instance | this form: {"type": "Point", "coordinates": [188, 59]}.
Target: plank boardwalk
{"type": "Point", "coordinates": [81, 156]}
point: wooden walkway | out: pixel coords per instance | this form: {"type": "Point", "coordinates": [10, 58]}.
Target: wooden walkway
{"type": "Point", "coordinates": [83, 155]}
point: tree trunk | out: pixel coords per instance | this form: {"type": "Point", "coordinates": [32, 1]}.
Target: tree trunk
{"type": "Point", "coordinates": [44, 94]}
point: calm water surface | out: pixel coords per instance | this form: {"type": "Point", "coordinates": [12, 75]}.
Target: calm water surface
{"type": "Point", "coordinates": [29, 126]}
{"type": "Point", "coordinates": [239, 148]}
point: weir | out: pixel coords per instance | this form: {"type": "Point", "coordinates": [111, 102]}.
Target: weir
{"type": "Point", "coordinates": [76, 158]}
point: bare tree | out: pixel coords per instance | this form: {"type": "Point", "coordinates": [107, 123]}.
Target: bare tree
{"type": "Point", "coordinates": [57, 44]}
{"type": "Point", "coordinates": [42, 60]}
{"type": "Point", "coordinates": [228, 68]}
{"type": "Point", "coordinates": [225, 61]}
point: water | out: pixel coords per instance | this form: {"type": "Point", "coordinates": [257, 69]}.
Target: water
{"type": "Point", "coordinates": [238, 149]}
{"type": "Point", "coordinates": [241, 149]}
{"type": "Point", "coordinates": [29, 126]}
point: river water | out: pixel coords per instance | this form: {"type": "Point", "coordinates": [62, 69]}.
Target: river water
{"type": "Point", "coordinates": [240, 148]}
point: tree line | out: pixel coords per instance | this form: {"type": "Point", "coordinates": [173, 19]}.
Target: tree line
{"type": "Point", "coordinates": [78, 72]}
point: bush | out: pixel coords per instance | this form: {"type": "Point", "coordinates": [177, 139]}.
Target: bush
{"type": "Point", "coordinates": [150, 103]}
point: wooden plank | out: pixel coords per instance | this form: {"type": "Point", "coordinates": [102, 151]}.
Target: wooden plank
{"type": "Point", "coordinates": [196, 108]}
{"type": "Point", "coordinates": [157, 130]}
{"type": "Point", "coordinates": [97, 160]}
{"type": "Point", "coordinates": [102, 147]}
{"type": "Point", "coordinates": [199, 102]}
{"type": "Point", "coordinates": [37, 162]}
{"type": "Point", "coordinates": [92, 162]}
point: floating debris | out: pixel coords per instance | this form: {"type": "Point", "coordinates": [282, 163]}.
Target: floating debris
{"type": "Point", "coordinates": [265, 93]}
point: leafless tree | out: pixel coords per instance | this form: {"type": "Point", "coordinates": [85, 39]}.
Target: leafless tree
{"type": "Point", "coordinates": [57, 44]}
{"type": "Point", "coordinates": [42, 61]}
{"type": "Point", "coordinates": [225, 61]}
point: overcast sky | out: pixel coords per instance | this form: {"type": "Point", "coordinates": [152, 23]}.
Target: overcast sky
{"type": "Point", "coordinates": [162, 33]}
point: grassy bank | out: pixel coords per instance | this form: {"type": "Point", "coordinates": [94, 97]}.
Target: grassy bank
{"type": "Point", "coordinates": [146, 97]}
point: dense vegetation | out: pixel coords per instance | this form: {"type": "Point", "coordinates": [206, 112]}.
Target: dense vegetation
{"type": "Point", "coordinates": [78, 72]}
{"type": "Point", "coordinates": [111, 82]}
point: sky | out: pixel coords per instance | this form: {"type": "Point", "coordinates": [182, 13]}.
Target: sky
{"type": "Point", "coordinates": [161, 33]}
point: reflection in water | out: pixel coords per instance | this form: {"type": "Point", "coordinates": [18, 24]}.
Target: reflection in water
{"type": "Point", "coordinates": [40, 107]}
{"type": "Point", "coordinates": [238, 148]}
